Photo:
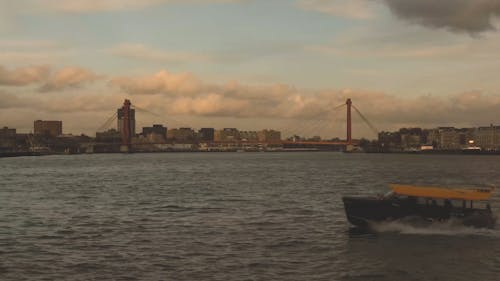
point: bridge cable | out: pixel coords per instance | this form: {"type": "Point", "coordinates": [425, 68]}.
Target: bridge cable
{"type": "Point", "coordinates": [366, 120]}
{"type": "Point", "coordinates": [305, 128]}
{"type": "Point", "coordinates": [107, 123]}
{"type": "Point", "coordinates": [181, 124]}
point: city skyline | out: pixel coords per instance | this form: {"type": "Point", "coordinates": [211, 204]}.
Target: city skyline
{"type": "Point", "coordinates": [249, 64]}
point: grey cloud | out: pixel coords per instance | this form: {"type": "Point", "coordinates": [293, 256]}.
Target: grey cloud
{"type": "Point", "coordinates": [454, 15]}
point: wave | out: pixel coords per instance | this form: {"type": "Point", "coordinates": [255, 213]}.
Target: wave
{"type": "Point", "coordinates": [419, 227]}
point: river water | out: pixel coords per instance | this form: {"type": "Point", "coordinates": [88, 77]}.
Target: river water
{"type": "Point", "coordinates": [231, 216]}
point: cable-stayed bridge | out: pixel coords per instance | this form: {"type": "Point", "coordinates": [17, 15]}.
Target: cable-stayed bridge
{"type": "Point", "coordinates": [126, 124]}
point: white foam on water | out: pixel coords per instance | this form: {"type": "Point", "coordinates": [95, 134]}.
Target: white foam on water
{"type": "Point", "coordinates": [450, 227]}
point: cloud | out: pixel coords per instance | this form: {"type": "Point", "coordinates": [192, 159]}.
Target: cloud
{"type": "Point", "coordinates": [69, 77]}
{"type": "Point", "coordinates": [143, 52]}
{"type": "Point", "coordinates": [278, 106]}
{"type": "Point", "coordinates": [354, 9]}
{"type": "Point", "coordinates": [23, 76]}
{"type": "Point", "coordinates": [88, 6]}
{"type": "Point", "coordinates": [455, 15]}
{"type": "Point", "coordinates": [187, 94]}
{"type": "Point", "coordinates": [162, 82]}
{"type": "Point", "coordinates": [46, 78]}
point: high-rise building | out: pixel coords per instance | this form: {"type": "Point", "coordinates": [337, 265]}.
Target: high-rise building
{"type": "Point", "coordinates": [131, 118]}
{"type": "Point", "coordinates": [48, 128]}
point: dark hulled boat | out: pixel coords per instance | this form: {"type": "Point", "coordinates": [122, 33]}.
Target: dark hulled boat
{"type": "Point", "coordinates": [469, 206]}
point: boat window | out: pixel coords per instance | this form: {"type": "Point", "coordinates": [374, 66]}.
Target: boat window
{"type": "Point", "coordinates": [482, 205]}
{"type": "Point", "coordinates": [448, 203]}
{"type": "Point", "coordinates": [437, 202]}
{"type": "Point", "coordinates": [421, 201]}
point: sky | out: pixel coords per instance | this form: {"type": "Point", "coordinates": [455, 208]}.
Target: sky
{"type": "Point", "coordinates": [251, 64]}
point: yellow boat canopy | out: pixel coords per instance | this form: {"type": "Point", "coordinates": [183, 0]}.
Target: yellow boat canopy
{"type": "Point", "coordinates": [443, 193]}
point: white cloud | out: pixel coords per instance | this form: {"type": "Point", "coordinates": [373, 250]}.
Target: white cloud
{"type": "Point", "coordinates": [184, 94]}
{"type": "Point", "coordinates": [69, 77]}
{"type": "Point", "coordinates": [162, 82]}
{"type": "Point", "coordinates": [46, 79]}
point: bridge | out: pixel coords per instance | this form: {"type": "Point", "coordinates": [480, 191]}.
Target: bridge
{"type": "Point", "coordinates": [126, 117]}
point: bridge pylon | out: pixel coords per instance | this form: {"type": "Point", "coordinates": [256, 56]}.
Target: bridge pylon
{"type": "Point", "coordinates": [126, 130]}
{"type": "Point", "coordinates": [349, 123]}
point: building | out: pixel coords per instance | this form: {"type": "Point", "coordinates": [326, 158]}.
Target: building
{"type": "Point", "coordinates": [7, 132]}
{"type": "Point", "coordinates": [7, 139]}
{"type": "Point", "coordinates": [119, 113]}
{"type": "Point", "coordinates": [447, 138]}
{"type": "Point", "coordinates": [389, 141]}
{"type": "Point", "coordinates": [251, 136]}
{"type": "Point", "coordinates": [412, 138]}
{"type": "Point", "coordinates": [110, 136]}
{"type": "Point", "coordinates": [186, 135]}
{"type": "Point", "coordinates": [206, 134]}
{"type": "Point", "coordinates": [157, 129]}
{"type": "Point", "coordinates": [488, 138]}
{"type": "Point", "coordinates": [269, 136]}
{"type": "Point", "coordinates": [48, 128]}
{"type": "Point", "coordinates": [227, 134]}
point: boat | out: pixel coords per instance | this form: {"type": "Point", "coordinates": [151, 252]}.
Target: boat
{"type": "Point", "coordinates": [428, 204]}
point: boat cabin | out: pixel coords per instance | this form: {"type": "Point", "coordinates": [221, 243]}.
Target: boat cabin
{"type": "Point", "coordinates": [443, 197]}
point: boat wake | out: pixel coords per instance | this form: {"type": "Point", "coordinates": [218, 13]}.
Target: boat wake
{"type": "Point", "coordinates": [419, 227]}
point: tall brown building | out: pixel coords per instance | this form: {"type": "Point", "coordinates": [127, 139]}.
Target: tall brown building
{"type": "Point", "coordinates": [48, 128]}
{"type": "Point", "coordinates": [131, 118]}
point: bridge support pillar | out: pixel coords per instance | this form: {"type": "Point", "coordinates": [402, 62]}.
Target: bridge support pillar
{"type": "Point", "coordinates": [349, 136]}
{"type": "Point", "coordinates": [126, 129]}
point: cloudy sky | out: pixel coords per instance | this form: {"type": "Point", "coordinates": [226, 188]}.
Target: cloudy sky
{"type": "Point", "coordinates": [251, 64]}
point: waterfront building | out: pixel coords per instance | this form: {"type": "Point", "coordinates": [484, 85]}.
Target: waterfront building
{"type": "Point", "coordinates": [109, 136]}
{"type": "Point", "coordinates": [7, 132]}
{"type": "Point", "coordinates": [156, 133]}
{"type": "Point", "coordinates": [227, 134]}
{"type": "Point", "coordinates": [447, 138]}
{"type": "Point", "coordinates": [206, 134]}
{"type": "Point", "coordinates": [48, 128]}
{"type": "Point", "coordinates": [181, 135]}
{"type": "Point", "coordinates": [119, 113]}
{"type": "Point", "coordinates": [269, 136]}
{"type": "Point", "coordinates": [488, 138]}
{"type": "Point", "coordinates": [314, 138]}
{"type": "Point", "coordinates": [251, 136]}
{"type": "Point", "coordinates": [411, 138]}
{"type": "Point", "coordinates": [389, 141]}
{"type": "Point", "coordinates": [7, 139]}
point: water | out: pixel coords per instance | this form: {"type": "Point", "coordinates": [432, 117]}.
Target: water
{"type": "Point", "coordinates": [231, 216]}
